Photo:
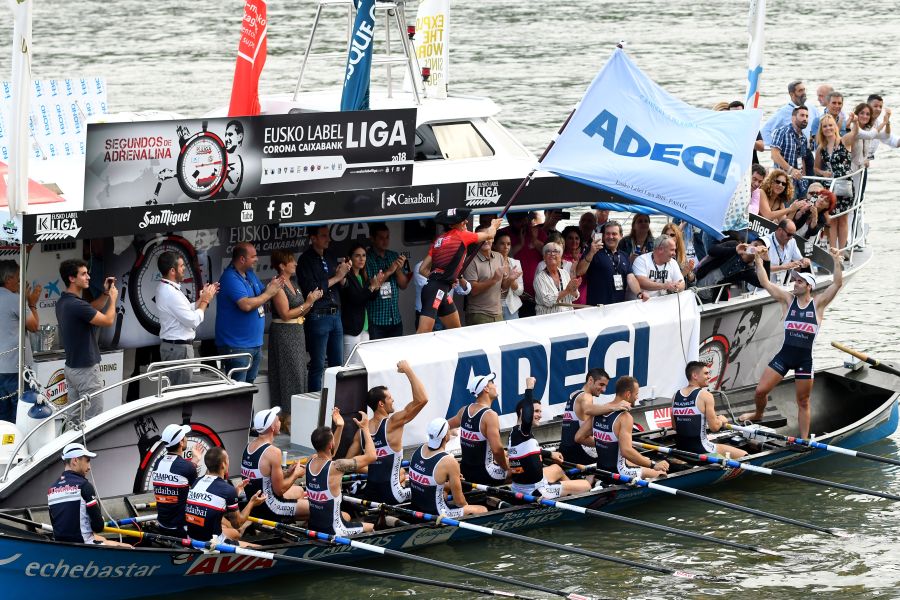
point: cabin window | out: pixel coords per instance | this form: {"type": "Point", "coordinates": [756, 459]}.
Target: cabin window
{"type": "Point", "coordinates": [419, 231]}
{"type": "Point", "coordinates": [450, 141]}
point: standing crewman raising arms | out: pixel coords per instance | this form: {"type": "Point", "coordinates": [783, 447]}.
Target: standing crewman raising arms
{"type": "Point", "coordinates": [693, 410]}
{"type": "Point", "coordinates": [384, 479]}
{"type": "Point", "coordinates": [483, 457]}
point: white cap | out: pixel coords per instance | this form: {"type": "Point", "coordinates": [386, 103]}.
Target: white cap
{"type": "Point", "coordinates": [807, 277]}
{"type": "Point", "coordinates": [264, 418]}
{"type": "Point", "coordinates": [437, 429]}
{"type": "Point", "coordinates": [764, 240]}
{"type": "Point", "coordinates": [479, 382]}
{"type": "Point", "coordinates": [173, 434]}
{"type": "Point", "coordinates": [75, 450]}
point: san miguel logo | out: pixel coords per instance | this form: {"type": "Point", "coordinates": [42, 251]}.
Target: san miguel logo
{"type": "Point", "coordinates": [166, 217]}
{"type": "Point", "coordinates": [56, 390]}
{"type": "Point", "coordinates": [57, 226]}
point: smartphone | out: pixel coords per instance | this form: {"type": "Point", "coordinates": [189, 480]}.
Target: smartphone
{"type": "Point", "coordinates": [107, 283]}
{"type": "Point", "coordinates": [752, 250]}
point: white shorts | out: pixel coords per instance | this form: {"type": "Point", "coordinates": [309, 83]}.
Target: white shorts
{"type": "Point", "coordinates": [547, 490]}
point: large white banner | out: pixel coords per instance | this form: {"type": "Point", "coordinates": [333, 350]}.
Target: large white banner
{"type": "Point", "coordinates": [651, 341]}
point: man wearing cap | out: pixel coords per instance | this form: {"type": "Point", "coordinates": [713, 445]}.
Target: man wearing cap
{"type": "Point", "coordinates": [172, 478]}
{"type": "Point", "coordinates": [384, 480]}
{"type": "Point", "coordinates": [483, 456]}
{"type": "Point", "coordinates": [324, 476]}
{"type": "Point", "coordinates": [73, 503]}
{"type": "Point", "coordinates": [802, 317]}
{"type": "Point", "coordinates": [443, 265]}
{"type": "Point", "coordinates": [529, 475]}
{"type": "Point", "coordinates": [434, 473]}
{"type": "Point", "coordinates": [261, 465]}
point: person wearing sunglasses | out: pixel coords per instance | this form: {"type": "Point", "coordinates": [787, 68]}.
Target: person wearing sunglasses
{"type": "Point", "coordinates": [776, 195]}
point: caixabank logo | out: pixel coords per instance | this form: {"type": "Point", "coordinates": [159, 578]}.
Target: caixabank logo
{"type": "Point", "coordinates": [57, 226]}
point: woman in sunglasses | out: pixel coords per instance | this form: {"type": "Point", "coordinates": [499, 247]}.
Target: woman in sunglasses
{"type": "Point", "coordinates": [775, 196]}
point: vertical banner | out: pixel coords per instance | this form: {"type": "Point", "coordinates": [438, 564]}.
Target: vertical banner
{"type": "Point", "coordinates": [757, 28]}
{"type": "Point", "coordinates": [21, 91]}
{"type": "Point", "coordinates": [359, 58]}
{"type": "Point", "coordinates": [432, 44]}
{"type": "Point", "coordinates": [251, 59]}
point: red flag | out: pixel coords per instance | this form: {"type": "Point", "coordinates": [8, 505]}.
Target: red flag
{"type": "Point", "coordinates": [251, 58]}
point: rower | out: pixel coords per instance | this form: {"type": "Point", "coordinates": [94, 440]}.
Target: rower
{"type": "Point", "coordinates": [324, 474]}
{"type": "Point", "coordinates": [483, 457]}
{"type": "Point", "coordinates": [434, 473]}
{"type": "Point", "coordinates": [172, 478]}
{"type": "Point", "coordinates": [74, 507]}
{"type": "Point", "coordinates": [529, 475]}
{"type": "Point", "coordinates": [261, 464]}
{"type": "Point", "coordinates": [802, 317]}
{"type": "Point", "coordinates": [213, 497]}
{"type": "Point", "coordinates": [693, 410]}
{"type": "Point", "coordinates": [581, 407]}
{"type": "Point", "coordinates": [611, 435]}
{"type": "Point", "coordinates": [384, 481]}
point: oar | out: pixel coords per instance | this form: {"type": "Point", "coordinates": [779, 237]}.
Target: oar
{"type": "Point", "coordinates": [876, 364]}
{"type": "Point", "coordinates": [441, 520]}
{"type": "Point", "coordinates": [145, 505]}
{"type": "Point", "coordinates": [733, 464]}
{"type": "Point", "coordinates": [596, 513]}
{"type": "Point", "coordinates": [27, 522]}
{"type": "Point", "coordinates": [227, 548]}
{"type": "Point", "coordinates": [813, 444]}
{"type": "Point", "coordinates": [738, 507]}
{"type": "Point", "coordinates": [131, 521]}
{"type": "Point", "coordinates": [343, 541]}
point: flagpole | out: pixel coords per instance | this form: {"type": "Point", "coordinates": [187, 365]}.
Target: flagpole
{"type": "Point", "coordinates": [755, 51]}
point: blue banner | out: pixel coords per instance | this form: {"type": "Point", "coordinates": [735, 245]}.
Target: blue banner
{"type": "Point", "coordinates": [630, 137]}
{"type": "Point", "coordinates": [359, 58]}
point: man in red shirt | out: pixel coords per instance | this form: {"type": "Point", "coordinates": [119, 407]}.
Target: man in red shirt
{"type": "Point", "coordinates": [443, 265]}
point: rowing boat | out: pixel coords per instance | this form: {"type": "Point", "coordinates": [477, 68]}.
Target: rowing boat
{"type": "Point", "coordinates": [31, 564]}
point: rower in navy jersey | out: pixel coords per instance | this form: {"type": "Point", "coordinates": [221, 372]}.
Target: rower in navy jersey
{"type": "Point", "coordinates": [803, 315]}
{"type": "Point", "coordinates": [582, 407]}
{"type": "Point", "coordinates": [261, 465]}
{"type": "Point", "coordinates": [611, 434]}
{"type": "Point", "coordinates": [172, 479]}
{"type": "Point", "coordinates": [385, 480]}
{"type": "Point", "coordinates": [529, 475]}
{"type": "Point", "coordinates": [324, 475]}
{"type": "Point", "coordinates": [74, 507]}
{"type": "Point", "coordinates": [434, 474]}
{"type": "Point", "coordinates": [213, 498]}
{"type": "Point", "coordinates": [693, 410]}
{"type": "Point", "coordinates": [483, 456]}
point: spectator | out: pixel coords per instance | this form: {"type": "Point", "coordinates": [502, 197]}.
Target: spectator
{"type": "Point", "coordinates": [512, 286]}
{"type": "Point", "coordinates": [640, 238]}
{"type": "Point", "coordinates": [658, 272]}
{"type": "Point", "coordinates": [587, 225]}
{"type": "Point", "coordinates": [880, 115]}
{"type": "Point", "coordinates": [287, 342]}
{"type": "Point", "coordinates": [607, 269]}
{"type": "Point", "coordinates": [811, 220]}
{"type": "Point", "coordinates": [757, 176]}
{"type": "Point", "coordinates": [552, 284]}
{"type": "Point", "coordinates": [357, 293]}
{"type": "Point", "coordinates": [797, 94]}
{"type": "Point", "coordinates": [862, 137]}
{"type": "Point", "coordinates": [729, 262]}
{"type": "Point", "coordinates": [759, 145]}
{"type": "Point", "coordinates": [527, 242]}
{"type": "Point", "coordinates": [9, 342]}
{"type": "Point", "coordinates": [573, 247]}
{"type": "Point", "coordinates": [241, 312]}
{"type": "Point", "coordinates": [834, 102]}
{"type": "Point", "coordinates": [822, 96]}
{"type": "Point", "coordinates": [78, 322]}
{"type": "Point", "coordinates": [485, 273]}
{"type": "Point", "coordinates": [790, 147]}
{"type": "Point", "coordinates": [775, 196]}
{"type": "Point", "coordinates": [179, 318]}
{"type": "Point", "coordinates": [460, 288]}
{"type": "Point", "coordinates": [787, 255]}
{"type": "Point", "coordinates": [602, 215]}
{"type": "Point", "coordinates": [552, 218]}
{"type": "Point", "coordinates": [833, 160]}
{"type": "Point", "coordinates": [384, 309]}
{"type": "Point", "coordinates": [317, 269]}
{"type": "Point", "coordinates": [672, 231]}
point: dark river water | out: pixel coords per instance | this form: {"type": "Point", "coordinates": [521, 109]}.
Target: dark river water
{"type": "Point", "coordinates": [535, 59]}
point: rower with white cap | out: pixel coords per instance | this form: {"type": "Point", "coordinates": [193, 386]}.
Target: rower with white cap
{"type": "Point", "coordinates": [434, 473]}
{"type": "Point", "coordinates": [261, 464]}
{"type": "Point", "coordinates": [172, 478]}
{"type": "Point", "coordinates": [802, 317]}
{"type": "Point", "coordinates": [73, 503]}
{"type": "Point", "coordinates": [483, 455]}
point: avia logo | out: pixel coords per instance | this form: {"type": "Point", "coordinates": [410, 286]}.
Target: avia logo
{"type": "Point", "coordinates": [419, 477]}
{"type": "Point", "coordinates": [683, 411]}
{"type": "Point", "coordinates": [308, 208]}
{"type": "Point", "coordinates": [804, 327]}
{"type": "Point", "coordinates": [472, 436]}
{"type": "Point", "coordinates": [317, 496]}
{"type": "Point", "coordinates": [57, 226]}
{"type": "Point", "coordinates": [604, 436]}
{"type": "Point", "coordinates": [227, 563]}
{"type": "Point", "coordinates": [404, 199]}
{"type": "Point", "coordinates": [381, 452]}
{"type": "Point", "coordinates": [570, 415]}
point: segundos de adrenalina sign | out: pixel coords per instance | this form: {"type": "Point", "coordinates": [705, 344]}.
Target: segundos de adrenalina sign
{"type": "Point", "coordinates": [168, 162]}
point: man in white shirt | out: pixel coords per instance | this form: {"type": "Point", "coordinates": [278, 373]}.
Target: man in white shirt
{"type": "Point", "coordinates": [658, 272]}
{"type": "Point", "coordinates": [178, 317]}
{"type": "Point", "coordinates": [783, 251]}
{"type": "Point", "coordinates": [879, 114]}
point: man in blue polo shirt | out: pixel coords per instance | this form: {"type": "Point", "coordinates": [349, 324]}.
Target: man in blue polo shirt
{"type": "Point", "coordinates": [607, 269]}
{"type": "Point", "coordinates": [241, 312]}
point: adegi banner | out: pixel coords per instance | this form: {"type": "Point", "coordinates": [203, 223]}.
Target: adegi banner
{"type": "Point", "coordinates": [166, 162]}
{"type": "Point", "coordinates": [633, 138]}
{"type": "Point", "coordinates": [651, 341]}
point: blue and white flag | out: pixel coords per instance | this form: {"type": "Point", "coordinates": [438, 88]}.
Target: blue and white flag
{"type": "Point", "coordinates": [755, 51]}
{"type": "Point", "coordinates": [630, 137]}
{"type": "Point", "coordinates": [359, 58]}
